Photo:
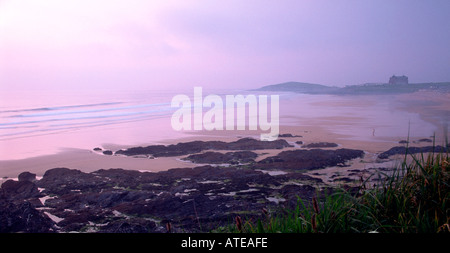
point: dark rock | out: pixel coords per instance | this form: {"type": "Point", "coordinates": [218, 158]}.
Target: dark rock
{"type": "Point", "coordinates": [425, 140]}
{"type": "Point", "coordinates": [288, 136]}
{"type": "Point", "coordinates": [23, 217]}
{"type": "Point", "coordinates": [321, 145]}
{"type": "Point", "coordinates": [134, 225]}
{"type": "Point", "coordinates": [78, 220]}
{"type": "Point", "coordinates": [298, 160]}
{"type": "Point", "coordinates": [193, 147]}
{"type": "Point", "coordinates": [107, 152]}
{"type": "Point", "coordinates": [299, 142]}
{"type": "Point", "coordinates": [300, 177]}
{"type": "Point", "coordinates": [343, 179]}
{"type": "Point", "coordinates": [27, 176]}
{"type": "Point", "coordinates": [190, 199]}
{"type": "Point", "coordinates": [221, 158]}
{"type": "Point", "coordinates": [97, 149]}
{"type": "Point", "coordinates": [112, 198]}
{"type": "Point", "coordinates": [20, 189]}
{"type": "Point", "coordinates": [252, 144]}
{"type": "Point", "coordinates": [292, 194]}
{"type": "Point", "coordinates": [60, 173]}
{"type": "Point", "coordinates": [62, 180]}
{"type": "Point", "coordinates": [403, 142]}
{"type": "Point", "coordinates": [401, 150]}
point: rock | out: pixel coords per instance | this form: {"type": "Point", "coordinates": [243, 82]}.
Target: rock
{"type": "Point", "coordinates": [292, 193]}
{"type": "Point", "coordinates": [297, 160]}
{"type": "Point", "coordinates": [221, 158]}
{"type": "Point", "coordinates": [321, 145]}
{"type": "Point", "coordinates": [288, 136]}
{"type": "Point", "coordinates": [190, 199]}
{"type": "Point", "coordinates": [401, 150]}
{"type": "Point", "coordinates": [79, 220]}
{"type": "Point", "coordinates": [27, 176]}
{"type": "Point", "coordinates": [62, 180]}
{"type": "Point", "coordinates": [134, 225]}
{"type": "Point", "coordinates": [23, 217]}
{"type": "Point", "coordinates": [97, 149]}
{"type": "Point", "coordinates": [60, 173]}
{"type": "Point", "coordinates": [193, 147]}
{"type": "Point", "coordinates": [20, 189]}
{"type": "Point", "coordinates": [252, 144]}
{"type": "Point", "coordinates": [299, 142]}
{"type": "Point", "coordinates": [343, 179]}
{"type": "Point", "coordinates": [107, 152]}
{"type": "Point", "coordinates": [300, 177]}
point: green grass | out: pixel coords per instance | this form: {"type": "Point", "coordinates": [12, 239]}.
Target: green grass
{"type": "Point", "coordinates": [413, 199]}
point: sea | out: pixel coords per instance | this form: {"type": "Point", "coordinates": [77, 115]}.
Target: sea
{"type": "Point", "coordinates": [42, 122]}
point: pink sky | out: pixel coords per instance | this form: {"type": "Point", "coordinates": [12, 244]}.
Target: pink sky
{"type": "Point", "coordinates": [139, 44]}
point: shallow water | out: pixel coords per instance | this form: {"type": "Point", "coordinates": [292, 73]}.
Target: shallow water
{"type": "Point", "coordinates": [40, 123]}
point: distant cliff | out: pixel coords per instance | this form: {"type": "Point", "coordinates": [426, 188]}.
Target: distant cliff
{"type": "Point", "coordinates": [364, 89]}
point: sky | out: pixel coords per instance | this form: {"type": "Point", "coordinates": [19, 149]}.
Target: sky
{"type": "Point", "coordinates": [164, 44]}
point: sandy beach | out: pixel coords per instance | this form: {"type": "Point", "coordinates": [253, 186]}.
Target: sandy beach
{"type": "Point", "coordinates": [90, 160]}
{"type": "Point", "coordinates": [346, 131]}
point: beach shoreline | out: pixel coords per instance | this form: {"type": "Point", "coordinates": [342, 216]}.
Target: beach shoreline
{"type": "Point", "coordinates": [349, 131]}
{"type": "Point", "coordinates": [91, 160]}
{"type": "Point", "coordinates": [206, 177]}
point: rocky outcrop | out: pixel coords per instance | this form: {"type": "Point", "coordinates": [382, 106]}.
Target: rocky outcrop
{"type": "Point", "coordinates": [187, 199]}
{"type": "Point", "coordinates": [196, 199]}
{"type": "Point", "coordinates": [18, 213]}
{"type": "Point", "coordinates": [27, 176]}
{"type": "Point", "coordinates": [223, 158]}
{"type": "Point", "coordinates": [299, 160]}
{"type": "Point", "coordinates": [63, 180]}
{"type": "Point", "coordinates": [19, 189]}
{"type": "Point", "coordinates": [107, 152]}
{"type": "Point", "coordinates": [320, 145]}
{"type": "Point", "coordinates": [288, 136]}
{"type": "Point", "coordinates": [186, 148]}
{"type": "Point", "coordinates": [401, 150]}
{"type": "Point", "coordinates": [23, 217]}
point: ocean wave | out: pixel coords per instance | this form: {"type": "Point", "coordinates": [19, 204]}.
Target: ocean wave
{"type": "Point", "coordinates": [60, 128]}
{"type": "Point", "coordinates": [86, 117]}
{"type": "Point", "coordinates": [59, 107]}
{"type": "Point", "coordinates": [60, 112]}
{"type": "Point", "coordinates": [22, 123]}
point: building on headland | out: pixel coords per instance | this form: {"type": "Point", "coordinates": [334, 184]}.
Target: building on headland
{"type": "Point", "coordinates": [398, 80]}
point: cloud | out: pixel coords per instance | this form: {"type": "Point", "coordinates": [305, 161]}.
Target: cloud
{"type": "Point", "coordinates": [252, 42]}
